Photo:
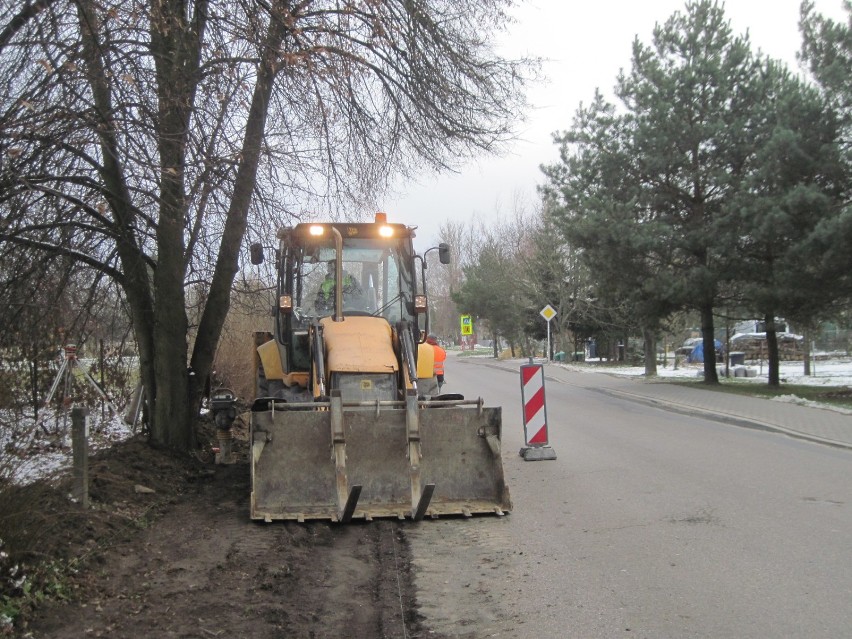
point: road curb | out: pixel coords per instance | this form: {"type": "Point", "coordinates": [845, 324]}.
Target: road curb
{"type": "Point", "coordinates": [718, 416]}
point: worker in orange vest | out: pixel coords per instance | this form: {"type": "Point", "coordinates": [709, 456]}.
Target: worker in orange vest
{"type": "Point", "coordinates": [427, 384]}
{"type": "Point", "coordinates": [440, 357]}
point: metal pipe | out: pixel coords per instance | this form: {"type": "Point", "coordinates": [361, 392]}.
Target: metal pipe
{"type": "Point", "coordinates": [338, 275]}
{"type": "Point", "coordinates": [408, 354]}
{"type": "Point", "coordinates": [318, 356]}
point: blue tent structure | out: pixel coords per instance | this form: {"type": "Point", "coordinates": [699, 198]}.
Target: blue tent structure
{"type": "Point", "coordinates": [697, 354]}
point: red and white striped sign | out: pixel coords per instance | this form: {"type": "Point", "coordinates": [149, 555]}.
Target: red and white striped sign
{"type": "Point", "coordinates": [532, 396]}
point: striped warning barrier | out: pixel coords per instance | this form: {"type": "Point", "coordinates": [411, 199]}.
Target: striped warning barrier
{"type": "Point", "coordinates": [535, 414]}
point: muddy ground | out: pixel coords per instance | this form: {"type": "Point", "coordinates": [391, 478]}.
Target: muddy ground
{"type": "Point", "coordinates": [186, 561]}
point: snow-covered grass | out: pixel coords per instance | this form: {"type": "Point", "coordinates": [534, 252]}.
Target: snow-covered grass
{"type": "Point", "coordinates": [830, 373]}
{"type": "Point", "coordinates": [835, 372]}
{"type": "Point", "coordinates": [826, 370]}
{"type": "Point", "coordinates": [30, 451]}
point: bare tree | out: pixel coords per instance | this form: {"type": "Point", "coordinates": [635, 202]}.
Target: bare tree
{"type": "Point", "coordinates": [146, 140]}
{"type": "Point", "coordinates": [444, 280]}
{"type": "Point", "coordinates": [493, 283]}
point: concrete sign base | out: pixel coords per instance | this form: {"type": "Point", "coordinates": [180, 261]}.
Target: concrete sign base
{"type": "Point", "coordinates": [537, 453]}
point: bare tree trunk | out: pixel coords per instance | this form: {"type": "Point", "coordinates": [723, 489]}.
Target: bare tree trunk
{"type": "Point", "coordinates": [806, 351]}
{"type": "Point", "coordinates": [650, 344]}
{"type": "Point", "coordinates": [711, 376]}
{"type": "Point", "coordinates": [227, 263]}
{"type": "Point", "coordinates": [136, 270]}
{"type": "Point", "coordinates": [176, 47]}
{"type": "Point", "coordinates": [772, 351]}
{"type": "Point", "coordinates": [727, 348]}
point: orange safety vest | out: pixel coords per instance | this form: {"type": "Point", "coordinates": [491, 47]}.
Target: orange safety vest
{"type": "Point", "coordinates": [440, 356]}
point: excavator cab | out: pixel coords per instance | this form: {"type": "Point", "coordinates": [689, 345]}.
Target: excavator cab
{"type": "Point", "coordinates": [340, 428]}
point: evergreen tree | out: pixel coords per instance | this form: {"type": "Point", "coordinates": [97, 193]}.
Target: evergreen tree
{"type": "Point", "coordinates": [644, 192]}
{"type": "Point", "coordinates": [690, 99]}
{"type": "Point", "coordinates": [792, 188]}
{"type": "Point", "coordinates": [827, 50]}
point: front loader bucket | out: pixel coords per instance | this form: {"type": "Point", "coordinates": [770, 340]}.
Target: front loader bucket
{"type": "Point", "coordinates": [340, 461]}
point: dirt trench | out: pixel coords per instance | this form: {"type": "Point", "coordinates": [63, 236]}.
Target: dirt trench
{"type": "Point", "coordinates": [201, 568]}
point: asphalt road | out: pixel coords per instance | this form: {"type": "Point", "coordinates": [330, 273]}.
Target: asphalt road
{"type": "Point", "coordinates": [648, 524]}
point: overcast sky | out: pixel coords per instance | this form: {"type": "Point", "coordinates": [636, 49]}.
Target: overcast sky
{"type": "Point", "coordinates": [585, 45]}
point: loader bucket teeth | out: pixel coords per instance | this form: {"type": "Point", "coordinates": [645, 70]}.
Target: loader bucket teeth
{"type": "Point", "coordinates": [425, 498]}
{"type": "Point", "coordinates": [351, 502]}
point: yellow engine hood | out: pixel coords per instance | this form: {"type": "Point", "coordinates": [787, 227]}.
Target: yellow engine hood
{"type": "Point", "coordinates": [359, 345]}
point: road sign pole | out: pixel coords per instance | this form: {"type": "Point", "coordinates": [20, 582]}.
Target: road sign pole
{"type": "Point", "coordinates": [548, 313]}
{"type": "Point", "coordinates": [548, 340]}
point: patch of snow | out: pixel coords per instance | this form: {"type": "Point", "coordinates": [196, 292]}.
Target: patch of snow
{"type": "Point", "coordinates": [738, 336]}
{"type": "Point", "coordinates": [823, 373]}
{"type": "Point", "coordinates": [31, 451]}
{"type": "Point", "coordinates": [793, 399]}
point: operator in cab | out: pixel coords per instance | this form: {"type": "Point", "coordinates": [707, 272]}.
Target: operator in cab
{"type": "Point", "coordinates": [325, 294]}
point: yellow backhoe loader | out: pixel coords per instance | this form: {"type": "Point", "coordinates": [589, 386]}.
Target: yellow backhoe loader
{"type": "Point", "coordinates": [340, 428]}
